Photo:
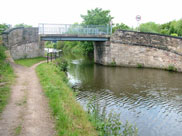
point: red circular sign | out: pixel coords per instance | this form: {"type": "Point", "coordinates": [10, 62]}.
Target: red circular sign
{"type": "Point", "coordinates": [138, 17]}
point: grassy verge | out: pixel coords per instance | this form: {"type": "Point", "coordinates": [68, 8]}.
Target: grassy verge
{"type": "Point", "coordinates": [30, 61]}
{"type": "Point", "coordinates": [6, 79]}
{"type": "Point", "coordinates": [71, 119]}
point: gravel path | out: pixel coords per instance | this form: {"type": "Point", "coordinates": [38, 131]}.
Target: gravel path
{"type": "Point", "coordinates": [27, 113]}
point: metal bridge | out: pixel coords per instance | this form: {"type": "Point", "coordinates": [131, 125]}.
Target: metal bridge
{"type": "Point", "coordinates": [75, 32]}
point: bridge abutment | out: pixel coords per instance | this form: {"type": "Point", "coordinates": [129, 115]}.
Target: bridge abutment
{"type": "Point", "coordinates": [23, 43]}
{"type": "Point", "coordinates": [137, 49]}
{"type": "Point", "coordinates": [102, 52]}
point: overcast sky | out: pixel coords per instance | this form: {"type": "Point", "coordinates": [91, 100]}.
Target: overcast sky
{"type": "Point", "coordinates": [33, 12]}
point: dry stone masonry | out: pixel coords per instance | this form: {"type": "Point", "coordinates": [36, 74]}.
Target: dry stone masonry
{"type": "Point", "coordinates": [134, 49]}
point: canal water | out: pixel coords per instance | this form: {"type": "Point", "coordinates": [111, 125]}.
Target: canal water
{"type": "Point", "coordinates": [151, 99]}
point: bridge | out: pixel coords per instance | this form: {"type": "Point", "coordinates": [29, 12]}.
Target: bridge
{"type": "Point", "coordinates": [123, 48]}
{"type": "Point", "coordinates": [75, 32]}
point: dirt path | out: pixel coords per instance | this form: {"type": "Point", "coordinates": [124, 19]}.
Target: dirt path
{"type": "Point", "coordinates": [27, 113]}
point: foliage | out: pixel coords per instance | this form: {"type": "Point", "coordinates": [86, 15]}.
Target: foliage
{"type": "Point", "coordinates": [59, 44]}
{"type": "Point", "coordinates": [29, 61]}
{"type": "Point", "coordinates": [120, 26]}
{"type": "Point", "coordinates": [150, 27]}
{"type": "Point", "coordinates": [97, 16]}
{"type": "Point", "coordinates": [140, 65]}
{"type": "Point", "coordinates": [62, 64]}
{"type": "Point", "coordinates": [22, 25]}
{"type": "Point", "coordinates": [113, 64]}
{"type": "Point", "coordinates": [172, 27]}
{"type": "Point", "coordinates": [77, 47]}
{"type": "Point", "coordinates": [3, 27]}
{"type": "Point", "coordinates": [6, 79]}
{"type": "Point", "coordinates": [171, 68]}
{"type": "Point", "coordinates": [108, 125]}
{"type": "Point", "coordinates": [49, 44]}
{"type": "Point", "coordinates": [2, 53]}
{"type": "Point", "coordinates": [174, 34]}
{"type": "Point", "coordinates": [70, 118]}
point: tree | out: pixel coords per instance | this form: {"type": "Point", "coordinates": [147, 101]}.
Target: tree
{"type": "Point", "coordinates": [150, 27]}
{"type": "Point", "coordinates": [3, 27]}
{"type": "Point", "coordinates": [121, 26]}
{"type": "Point", "coordinates": [179, 27]}
{"type": "Point", "coordinates": [97, 16]}
{"type": "Point", "coordinates": [23, 25]}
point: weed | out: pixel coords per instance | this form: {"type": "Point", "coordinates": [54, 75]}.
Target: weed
{"type": "Point", "coordinates": [171, 68]}
{"type": "Point", "coordinates": [62, 64]}
{"type": "Point", "coordinates": [6, 79]}
{"type": "Point", "coordinates": [140, 65]}
{"type": "Point", "coordinates": [108, 125]}
{"type": "Point", "coordinates": [113, 64]}
{"type": "Point", "coordinates": [18, 130]}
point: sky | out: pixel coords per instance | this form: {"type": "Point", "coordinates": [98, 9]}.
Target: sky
{"type": "Point", "coordinates": [33, 12]}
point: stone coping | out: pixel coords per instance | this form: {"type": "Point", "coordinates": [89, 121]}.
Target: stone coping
{"type": "Point", "coordinates": [150, 33]}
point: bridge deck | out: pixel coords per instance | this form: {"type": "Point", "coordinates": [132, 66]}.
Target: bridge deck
{"type": "Point", "coordinates": [63, 37]}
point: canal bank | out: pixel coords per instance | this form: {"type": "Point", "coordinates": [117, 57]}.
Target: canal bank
{"type": "Point", "coordinates": [69, 116]}
{"type": "Point", "coordinates": [149, 98]}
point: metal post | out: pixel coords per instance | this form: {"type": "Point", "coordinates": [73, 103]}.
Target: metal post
{"type": "Point", "coordinates": [59, 53]}
{"type": "Point", "coordinates": [111, 27]}
{"type": "Point", "coordinates": [107, 29]}
{"type": "Point", "coordinates": [55, 54]}
{"type": "Point", "coordinates": [87, 29]}
{"type": "Point", "coordinates": [47, 57]}
{"type": "Point", "coordinates": [51, 56]}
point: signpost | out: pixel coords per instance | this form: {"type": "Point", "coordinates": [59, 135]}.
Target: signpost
{"type": "Point", "coordinates": [138, 18]}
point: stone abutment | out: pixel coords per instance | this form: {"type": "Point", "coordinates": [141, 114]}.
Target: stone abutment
{"type": "Point", "coordinates": [138, 49]}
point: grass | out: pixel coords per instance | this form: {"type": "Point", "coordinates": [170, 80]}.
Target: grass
{"type": "Point", "coordinates": [110, 124]}
{"type": "Point", "coordinates": [71, 119]}
{"type": "Point", "coordinates": [30, 61]}
{"type": "Point", "coordinates": [18, 130]}
{"type": "Point", "coordinates": [6, 79]}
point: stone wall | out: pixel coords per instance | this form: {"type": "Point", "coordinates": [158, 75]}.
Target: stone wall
{"type": "Point", "coordinates": [133, 49]}
{"type": "Point", "coordinates": [23, 42]}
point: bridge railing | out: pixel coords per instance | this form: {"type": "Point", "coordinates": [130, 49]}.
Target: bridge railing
{"type": "Point", "coordinates": [74, 29]}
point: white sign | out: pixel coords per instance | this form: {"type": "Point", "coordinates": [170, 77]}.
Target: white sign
{"type": "Point", "coordinates": [138, 17]}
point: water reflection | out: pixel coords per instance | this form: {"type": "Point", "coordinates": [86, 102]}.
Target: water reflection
{"type": "Point", "coordinates": [151, 99]}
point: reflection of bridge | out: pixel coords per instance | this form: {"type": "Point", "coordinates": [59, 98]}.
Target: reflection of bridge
{"type": "Point", "coordinates": [65, 32]}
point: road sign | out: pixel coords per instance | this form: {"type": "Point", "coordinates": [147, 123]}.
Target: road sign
{"type": "Point", "coordinates": [138, 17]}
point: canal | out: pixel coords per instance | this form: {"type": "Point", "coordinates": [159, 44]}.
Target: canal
{"type": "Point", "coordinates": [148, 98]}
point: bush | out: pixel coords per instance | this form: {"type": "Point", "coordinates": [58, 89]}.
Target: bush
{"type": "Point", "coordinates": [140, 65]}
{"type": "Point", "coordinates": [62, 64]}
{"type": "Point", "coordinates": [2, 53]}
{"type": "Point", "coordinates": [174, 34]}
{"type": "Point", "coordinates": [171, 68]}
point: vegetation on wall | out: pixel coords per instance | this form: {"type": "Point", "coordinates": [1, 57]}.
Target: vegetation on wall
{"type": "Point", "coordinates": [22, 25]}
